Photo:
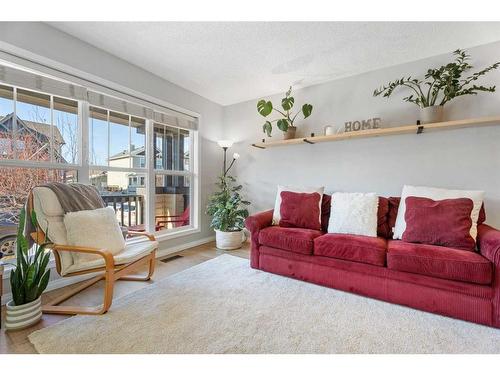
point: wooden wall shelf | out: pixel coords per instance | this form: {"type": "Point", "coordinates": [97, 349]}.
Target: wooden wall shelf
{"type": "Point", "coordinates": [405, 129]}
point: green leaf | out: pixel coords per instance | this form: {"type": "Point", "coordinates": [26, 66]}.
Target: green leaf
{"type": "Point", "coordinates": [267, 128]}
{"type": "Point", "coordinates": [282, 124]}
{"type": "Point", "coordinates": [287, 103]}
{"type": "Point", "coordinates": [264, 108]}
{"type": "Point", "coordinates": [307, 110]}
{"type": "Point", "coordinates": [43, 283]}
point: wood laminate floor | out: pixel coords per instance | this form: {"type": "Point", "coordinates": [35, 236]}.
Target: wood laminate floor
{"type": "Point", "coordinates": [16, 342]}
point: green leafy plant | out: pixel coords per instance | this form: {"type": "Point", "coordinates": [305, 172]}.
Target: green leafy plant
{"type": "Point", "coordinates": [441, 85]}
{"type": "Point", "coordinates": [30, 276]}
{"type": "Point", "coordinates": [226, 206]}
{"type": "Point", "coordinates": [287, 117]}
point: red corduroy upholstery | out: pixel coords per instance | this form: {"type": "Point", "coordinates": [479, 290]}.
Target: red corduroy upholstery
{"type": "Point", "coordinates": [445, 222]}
{"type": "Point", "coordinates": [438, 261]}
{"type": "Point", "coordinates": [254, 224]}
{"type": "Point", "coordinates": [477, 301]}
{"type": "Point", "coordinates": [300, 210]}
{"type": "Point", "coordinates": [488, 242]}
{"type": "Point", "coordinates": [362, 249]}
{"type": "Point", "coordinates": [297, 240]}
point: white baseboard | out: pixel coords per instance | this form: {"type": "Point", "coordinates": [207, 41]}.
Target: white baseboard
{"type": "Point", "coordinates": [62, 282]}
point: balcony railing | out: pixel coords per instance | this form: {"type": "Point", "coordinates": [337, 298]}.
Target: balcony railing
{"type": "Point", "coordinates": [129, 208]}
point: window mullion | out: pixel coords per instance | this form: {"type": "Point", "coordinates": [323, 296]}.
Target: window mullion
{"type": "Point", "coordinates": [83, 144]}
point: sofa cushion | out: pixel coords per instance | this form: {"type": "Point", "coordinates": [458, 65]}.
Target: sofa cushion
{"type": "Point", "coordinates": [444, 223]}
{"type": "Point", "coordinates": [300, 210]}
{"type": "Point", "coordinates": [297, 240]}
{"type": "Point", "coordinates": [438, 261]}
{"type": "Point", "coordinates": [351, 247]}
{"type": "Point", "coordinates": [384, 228]}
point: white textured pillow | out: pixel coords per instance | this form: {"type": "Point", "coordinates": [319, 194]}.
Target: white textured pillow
{"type": "Point", "coordinates": [277, 204]}
{"type": "Point", "coordinates": [94, 228]}
{"type": "Point", "coordinates": [437, 194]}
{"type": "Point", "coordinates": [354, 213]}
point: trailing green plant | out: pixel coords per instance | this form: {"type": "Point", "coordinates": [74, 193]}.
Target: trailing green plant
{"type": "Point", "coordinates": [30, 276]}
{"type": "Point", "coordinates": [226, 206]}
{"type": "Point", "coordinates": [287, 117]}
{"type": "Point", "coordinates": [441, 85]}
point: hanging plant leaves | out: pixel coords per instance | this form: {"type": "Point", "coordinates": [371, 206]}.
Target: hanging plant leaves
{"type": "Point", "coordinates": [282, 124]}
{"type": "Point", "coordinates": [287, 103]}
{"type": "Point", "coordinates": [267, 128]}
{"type": "Point", "coordinates": [264, 108]}
{"type": "Point", "coordinates": [307, 110]}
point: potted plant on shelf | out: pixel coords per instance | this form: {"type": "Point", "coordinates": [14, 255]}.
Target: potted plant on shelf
{"type": "Point", "coordinates": [28, 279]}
{"type": "Point", "coordinates": [286, 122]}
{"type": "Point", "coordinates": [226, 207]}
{"type": "Point", "coordinates": [440, 86]}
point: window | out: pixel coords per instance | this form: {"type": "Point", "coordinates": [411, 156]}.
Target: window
{"type": "Point", "coordinates": [66, 131]}
{"type": "Point", "coordinates": [130, 150]}
{"type": "Point", "coordinates": [173, 194]}
{"type": "Point", "coordinates": [6, 120]}
{"type": "Point", "coordinates": [36, 130]}
{"type": "Point", "coordinates": [117, 147]}
{"type": "Point", "coordinates": [15, 184]}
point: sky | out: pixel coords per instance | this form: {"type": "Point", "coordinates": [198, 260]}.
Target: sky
{"type": "Point", "coordinates": [68, 122]}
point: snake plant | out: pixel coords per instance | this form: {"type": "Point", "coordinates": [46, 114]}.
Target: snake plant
{"type": "Point", "coordinates": [30, 276]}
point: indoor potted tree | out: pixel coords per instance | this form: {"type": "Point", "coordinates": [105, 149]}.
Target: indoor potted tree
{"type": "Point", "coordinates": [286, 122]}
{"type": "Point", "coordinates": [226, 207]}
{"type": "Point", "coordinates": [28, 279]}
{"type": "Point", "coordinates": [440, 86]}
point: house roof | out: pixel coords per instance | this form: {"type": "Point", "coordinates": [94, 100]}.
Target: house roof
{"type": "Point", "coordinates": [38, 127]}
{"type": "Point", "coordinates": [139, 151]}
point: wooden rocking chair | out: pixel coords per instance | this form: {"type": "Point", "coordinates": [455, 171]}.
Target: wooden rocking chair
{"type": "Point", "coordinates": [111, 267]}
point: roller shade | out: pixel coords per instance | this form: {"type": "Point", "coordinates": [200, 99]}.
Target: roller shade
{"type": "Point", "coordinates": [176, 119]}
{"type": "Point", "coordinates": [31, 81]}
{"type": "Point", "coordinates": [118, 105]}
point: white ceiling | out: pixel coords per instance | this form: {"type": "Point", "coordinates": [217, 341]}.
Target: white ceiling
{"type": "Point", "coordinates": [230, 62]}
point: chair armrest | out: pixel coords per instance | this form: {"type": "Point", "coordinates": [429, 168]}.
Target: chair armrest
{"type": "Point", "coordinates": [109, 260]}
{"type": "Point", "coordinates": [259, 221]}
{"type": "Point", "coordinates": [150, 236]}
{"type": "Point", "coordinates": [488, 242]}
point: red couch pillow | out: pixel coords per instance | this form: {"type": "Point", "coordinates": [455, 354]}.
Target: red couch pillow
{"type": "Point", "coordinates": [444, 223]}
{"type": "Point", "coordinates": [300, 210]}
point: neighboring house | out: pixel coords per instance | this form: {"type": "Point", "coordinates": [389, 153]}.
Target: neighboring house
{"type": "Point", "coordinates": [36, 133]}
{"type": "Point", "coordinates": [126, 180]}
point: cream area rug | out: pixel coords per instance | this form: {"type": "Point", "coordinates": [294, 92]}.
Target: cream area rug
{"type": "Point", "coordinates": [224, 306]}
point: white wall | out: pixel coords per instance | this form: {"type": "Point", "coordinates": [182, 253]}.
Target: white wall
{"type": "Point", "coordinates": [44, 43]}
{"type": "Point", "coordinates": [462, 159]}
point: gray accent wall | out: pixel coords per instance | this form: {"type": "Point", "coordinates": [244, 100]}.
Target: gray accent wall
{"type": "Point", "coordinates": [458, 159]}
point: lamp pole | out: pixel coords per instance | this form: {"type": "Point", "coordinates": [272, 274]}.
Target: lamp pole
{"type": "Point", "coordinates": [224, 166]}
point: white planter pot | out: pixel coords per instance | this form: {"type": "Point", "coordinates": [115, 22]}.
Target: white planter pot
{"type": "Point", "coordinates": [429, 115]}
{"type": "Point", "coordinates": [23, 316]}
{"type": "Point", "coordinates": [228, 240]}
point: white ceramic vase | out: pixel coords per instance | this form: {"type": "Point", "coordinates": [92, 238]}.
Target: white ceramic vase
{"type": "Point", "coordinates": [23, 316]}
{"type": "Point", "coordinates": [429, 115]}
{"type": "Point", "coordinates": [229, 240]}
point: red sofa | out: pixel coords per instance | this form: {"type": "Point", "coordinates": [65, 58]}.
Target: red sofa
{"type": "Point", "coordinates": [456, 283]}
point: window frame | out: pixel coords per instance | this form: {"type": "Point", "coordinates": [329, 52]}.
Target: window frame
{"type": "Point", "coordinates": [83, 165]}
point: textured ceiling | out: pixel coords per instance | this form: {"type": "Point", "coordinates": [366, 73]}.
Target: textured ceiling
{"type": "Point", "coordinates": [230, 62]}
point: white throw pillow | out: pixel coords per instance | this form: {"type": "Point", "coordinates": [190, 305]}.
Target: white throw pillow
{"type": "Point", "coordinates": [277, 204]}
{"type": "Point", "coordinates": [354, 213]}
{"type": "Point", "coordinates": [437, 194]}
{"type": "Point", "coordinates": [94, 228]}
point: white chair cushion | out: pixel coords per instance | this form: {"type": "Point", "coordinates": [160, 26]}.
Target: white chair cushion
{"type": "Point", "coordinates": [132, 252]}
{"type": "Point", "coordinates": [94, 228]}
